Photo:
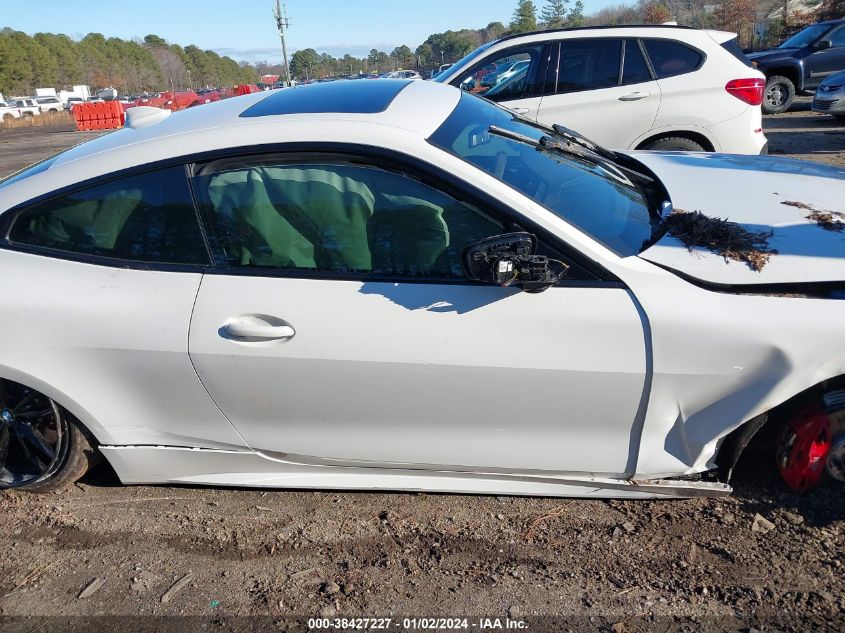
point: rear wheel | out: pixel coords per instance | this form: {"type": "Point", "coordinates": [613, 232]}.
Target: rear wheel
{"type": "Point", "coordinates": [42, 448]}
{"type": "Point", "coordinates": [780, 93]}
{"type": "Point", "coordinates": [674, 144]}
{"type": "Point", "coordinates": [8, 117]}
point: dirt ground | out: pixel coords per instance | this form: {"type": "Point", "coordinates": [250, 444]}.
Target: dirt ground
{"type": "Point", "coordinates": [105, 557]}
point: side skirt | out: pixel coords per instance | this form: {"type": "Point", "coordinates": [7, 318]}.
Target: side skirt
{"type": "Point", "coordinates": [207, 467]}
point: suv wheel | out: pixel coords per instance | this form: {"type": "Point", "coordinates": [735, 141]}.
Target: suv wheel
{"type": "Point", "coordinates": [780, 92]}
{"type": "Point", "coordinates": [673, 144]}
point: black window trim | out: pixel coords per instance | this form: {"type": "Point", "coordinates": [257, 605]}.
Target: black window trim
{"type": "Point", "coordinates": [700, 65]}
{"type": "Point", "coordinates": [426, 173]}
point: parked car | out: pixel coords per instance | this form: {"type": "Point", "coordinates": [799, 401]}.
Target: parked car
{"type": "Point", "coordinates": [830, 96]}
{"type": "Point", "coordinates": [27, 107]}
{"type": "Point", "coordinates": [675, 88]}
{"type": "Point", "coordinates": [801, 63]}
{"type": "Point", "coordinates": [7, 112]}
{"type": "Point", "coordinates": [49, 104]}
{"type": "Point", "coordinates": [413, 75]}
{"type": "Point", "coordinates": [333, 287]}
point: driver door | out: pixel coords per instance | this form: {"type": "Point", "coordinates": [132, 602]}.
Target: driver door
{"type": "Point", "coordinates": [340, 329]}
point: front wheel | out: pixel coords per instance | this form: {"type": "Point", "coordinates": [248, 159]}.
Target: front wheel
{"type": "Point", "coordinates": [780, 93]}
{"type": "Point", "coordinates": [42, 448]}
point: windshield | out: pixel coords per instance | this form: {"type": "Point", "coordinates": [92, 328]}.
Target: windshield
{"type": "Point", "coordinates": [806, 37]}
{"type": "Point", "coordinates": [441, 77]}
{"type": "Point", "coordinates": [576, 189]}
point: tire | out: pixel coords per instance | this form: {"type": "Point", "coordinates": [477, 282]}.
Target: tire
{"type": "Point", "coordinates": [26, 114]}
{"type": "Point", "coordinates": [42, 447]}
{"type": "Point", "coordinates": [779, 94]}
{"type": "Point", "coordinates": [8, 117]}
{"type": "Point", "coordinates": [673, 144]}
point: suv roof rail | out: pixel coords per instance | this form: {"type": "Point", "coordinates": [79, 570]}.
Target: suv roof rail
{"type": "Point", "coordinates": [598, 28]}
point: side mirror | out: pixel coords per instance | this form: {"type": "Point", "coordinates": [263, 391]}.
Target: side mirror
{"type": "Point", "coordinates": [823, 45]}
{"type": "Point", "coordinates": [509, 259]}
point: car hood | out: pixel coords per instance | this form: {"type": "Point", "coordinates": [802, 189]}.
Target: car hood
{"type": "Point", "coordinates": [752, 191]}
{"type": "Point", "coordinates": [772, 53]}
{"type": "Point", "coordinates": [835, 80]}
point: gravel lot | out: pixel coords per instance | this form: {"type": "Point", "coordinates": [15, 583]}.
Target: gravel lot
{"type": "Point", "coordinates": [251, 560]}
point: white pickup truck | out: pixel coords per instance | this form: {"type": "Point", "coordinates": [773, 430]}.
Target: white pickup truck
{"type": "Point", "coordinates": [27, 107]}
{"type": "Point", "coordinates": [7, 112]}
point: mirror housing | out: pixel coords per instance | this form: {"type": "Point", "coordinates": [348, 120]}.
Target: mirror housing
{"type": "Point", "coordinates": [823, 45]}
{"type": "Point", "coordinates": [509, 259]}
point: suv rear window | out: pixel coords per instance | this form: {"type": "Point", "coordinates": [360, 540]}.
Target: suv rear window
{"type": "Point", "coordinates": [732, 46]}
{"type": "Point", "coordinates": [669, 58]}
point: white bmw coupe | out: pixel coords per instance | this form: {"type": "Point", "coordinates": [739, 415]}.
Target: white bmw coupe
{"type": "Point", "coordinates": [397, 285]}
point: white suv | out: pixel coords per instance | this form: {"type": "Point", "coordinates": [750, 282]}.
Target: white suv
{"type": "Point", "coordinates": [637, 87]}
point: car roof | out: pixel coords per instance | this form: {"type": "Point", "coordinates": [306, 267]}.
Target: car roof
{"type": "Point", "coordinates": [316, 112]}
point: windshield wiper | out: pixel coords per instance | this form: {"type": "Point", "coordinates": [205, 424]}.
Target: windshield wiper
{"type": "Point", "coordinates": [570, 135]}
{"type": "Point", "coordinates": [550, 144]}
{"type": "Point", "coordinates": [573, 137]}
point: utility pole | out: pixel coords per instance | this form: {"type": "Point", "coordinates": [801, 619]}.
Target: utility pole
{"type": "Point", "coordinates": [282, 23]}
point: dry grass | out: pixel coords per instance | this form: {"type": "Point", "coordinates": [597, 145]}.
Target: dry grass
{"type": "Point", "coordinates": [39, 120]}
{"type": "Point", "coordinates": [728, 239]}
{"type": "Point", "coordinates": [828, 220]}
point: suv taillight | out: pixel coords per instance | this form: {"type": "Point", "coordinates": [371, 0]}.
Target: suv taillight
{"type": "Point", "coordinates": [748, 90]}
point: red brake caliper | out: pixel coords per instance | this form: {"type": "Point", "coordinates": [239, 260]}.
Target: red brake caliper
{"type": "Point", "coordinates": [803, 447]}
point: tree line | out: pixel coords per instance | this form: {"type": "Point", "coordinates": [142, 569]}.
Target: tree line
{"type": "Point", "coordinates": [152, 64]}
{"type": "Point", "coordinates": [132, 66]}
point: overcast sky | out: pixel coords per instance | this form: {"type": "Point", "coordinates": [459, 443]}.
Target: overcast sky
{"type": "Point", "coordinates": [245, 29]}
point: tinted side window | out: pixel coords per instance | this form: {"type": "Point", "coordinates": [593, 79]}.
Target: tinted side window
{"type": "Point", "coordinates": [733, 47]}
{"type": "Point", "coordinates": [507, 75]}
{"type": "Point", "coordinates": [336, 217]}
{"type": "Point", "coordinates": [670, 58]}
{"type": "Point", "coordinates": [635, 70]}
{"type": "Point", "coordinates": [837, 38]}
{"type": "Point", "coordinates": [144, 218]}
{"type": "Point", "coordinates": [589, 64]}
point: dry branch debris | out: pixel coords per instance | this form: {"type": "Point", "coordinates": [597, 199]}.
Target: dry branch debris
{"type": "Point", "coordinates": [828, 220]}
{"type": "Point", "coordinates": [728, 239]}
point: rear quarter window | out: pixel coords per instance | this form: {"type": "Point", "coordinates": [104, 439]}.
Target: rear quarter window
{"type": "Point", "coordinates": [732, 46]}
{"type": "Point", "coordinates": [670, 58]}
{"type": "Point", "coordinates": [144, 218]}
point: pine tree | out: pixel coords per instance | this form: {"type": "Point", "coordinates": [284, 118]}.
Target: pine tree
{"type": "Point", "coordinates": [524, 17]}
{"type": "Point", "coordinates": [576, 15]}
{"type": "Point", "coordinates": [553, 15]}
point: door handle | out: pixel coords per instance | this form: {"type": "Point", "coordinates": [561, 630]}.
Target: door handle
{"type": "Point", "coordinates": [520, 110]}
{"type": "Point", "coordinates": [634, 96]}
{"type": "Point", "coordinates": [257, 329]}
